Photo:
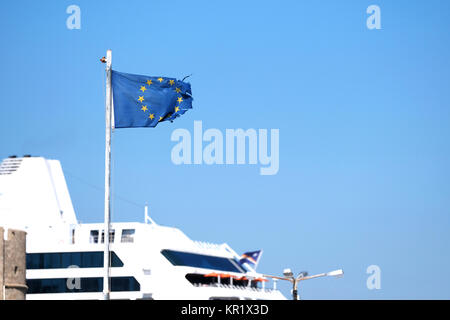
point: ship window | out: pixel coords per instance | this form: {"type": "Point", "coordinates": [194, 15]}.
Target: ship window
{"type": "Point", "coordinates": [111, 236]}
{"type": "Point", "coordinates": [66, 259]}
{"type": "Point", "coordinates": [86, 285]}
{"type": "Point", "coordinates": [94, 236]}
{"type": "Point", "coordinates": [74, 257]}
{"type": "Point", "coordinates": [178, 258]}
{"type": "Point", "coordinates": [127, 235]}
{"type": "Point", "coordinates": [59, 260]}
{"type": "Point", "coordinates": [198, 279]}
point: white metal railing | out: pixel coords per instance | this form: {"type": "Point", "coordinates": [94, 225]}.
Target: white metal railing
{"type": "Point", "coordinates": [9, 165]}
{"type": "Point", "coordinates": [207, 245]}
{"type": "Point", "coordinates": [232, 287]}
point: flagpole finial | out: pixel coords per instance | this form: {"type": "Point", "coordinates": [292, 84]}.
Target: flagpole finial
{"type": "Point", "coordinates": [103, 60]}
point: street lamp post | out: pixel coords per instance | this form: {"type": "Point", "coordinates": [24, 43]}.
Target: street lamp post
{"type": "Point", "coordinates": [295, 280]}
{"type": "Point", "coordinates": [300, 277]}
{"type": "Point", "coordinates": [289, 276]}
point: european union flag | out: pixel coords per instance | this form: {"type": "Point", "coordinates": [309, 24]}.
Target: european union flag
{"type": "Point", "coordinates": [142, 101]}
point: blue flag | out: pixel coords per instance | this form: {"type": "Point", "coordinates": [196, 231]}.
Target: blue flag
{"type": "Point", "coordinates": [251, 258]}
{"type": "Point", "coordinates": [141, 101]}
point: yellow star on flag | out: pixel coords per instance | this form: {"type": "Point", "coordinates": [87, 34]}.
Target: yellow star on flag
{"type": "Point", "coordinates": [143, 88]}
{"type": "Point", "coordinates": [171, 82]}
{"type": "Point", "coordinates": [160, 80]}
{"type": "Point", "coordinates": [180, 100]}
{"type": "Point", "coordinates": [149, 82]}
{"type": "Point", "coordinates": [160, 118]}
{"type": "Point", "coordinates": [141, 98]}
{"type": "Point", "coordinates": [151, 116]}
{"type": "Point", "coordinates": [177, 109]}
{"type": "Point", "coordinates": [144, 108]}
{"type": "Point", "coordinates": [178, 90]}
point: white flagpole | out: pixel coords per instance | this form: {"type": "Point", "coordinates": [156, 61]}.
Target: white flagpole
{"type": "Point", "coordinates": [106, 289]}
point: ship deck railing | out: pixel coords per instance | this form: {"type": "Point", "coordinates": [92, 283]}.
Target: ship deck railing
{"type": "Point", "coordinates": [228, 286]}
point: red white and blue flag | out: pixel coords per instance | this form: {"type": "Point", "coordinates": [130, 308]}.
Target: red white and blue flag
{"type": "Point", "coordinates": [251, 258]}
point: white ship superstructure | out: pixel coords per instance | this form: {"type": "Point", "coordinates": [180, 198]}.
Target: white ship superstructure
{"type": "Point", "coordinates": [148, 261]}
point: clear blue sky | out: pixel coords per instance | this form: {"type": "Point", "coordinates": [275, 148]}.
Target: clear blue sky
{"type": "Point", "coordinates": [364, 119]}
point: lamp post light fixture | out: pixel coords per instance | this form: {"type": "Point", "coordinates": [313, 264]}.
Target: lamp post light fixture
{"type": "Point", "coordinates": [289, 276]}
{"type": "Point", "coordinates": [288, 273]}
